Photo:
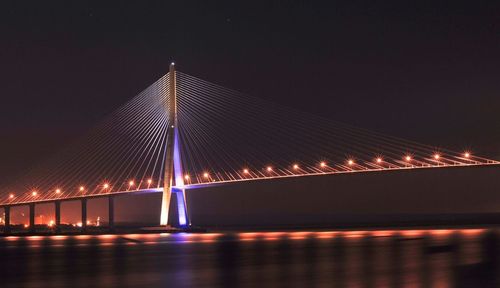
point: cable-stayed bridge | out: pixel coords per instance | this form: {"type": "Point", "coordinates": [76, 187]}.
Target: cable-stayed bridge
{"type": "Point", "coordinates": [183, 132]}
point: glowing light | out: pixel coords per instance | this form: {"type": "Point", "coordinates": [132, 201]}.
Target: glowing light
{"type": "Point", "coordinates": [295, 166]}
{"type": "Point", "coordinates": [350, 162]}
{"type": "Point", "coordinates": [186, 177]}
{"type": "Point", "coordinates": [245, 171]}
{"type": "Point", "coordinates": [150, 181]}
{"type": "Point", "coordinates": [105, 186]}
{"type": "Point", "coordinates": [269, 168]}
{"type": "Point", "coordinates": [51, 223]}
{"type": "Point", "coordinates": [379, 160]}
{"type": "Point", "coordinates": [11, 196]}
{"type": "Point", "coordinates": [467, 154]}
{"type": "Point", "coordinates": [322, 164]}
{"type": "Point", "coordinates": [58, 191]}
{"type": "Point", "coordinates": [82, 188]}
{"type": "Point", "coordinates": [181, 208]}
{"type": "Point", "coordinates": [26, 225]}
{"type": "Point", "coordinates": [408, 158]}
{"type": "Point", "coordinates": [437, 156]}
{"type": "Point", "coordinates": [131, 183]}
{"type": "Point", "coordinates": [206, 175]}
{"type": "Point", "coordinates": [412, 233]}
{"type": "Point", "coordinates": [382, 233]}
{"type": "Point", "coordinates": [79, 224]}
{"type": "Point", "coordinates": [34, 193]}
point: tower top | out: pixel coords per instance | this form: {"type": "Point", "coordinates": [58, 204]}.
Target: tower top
{"type": "Point", "coordinates": [172, 67]}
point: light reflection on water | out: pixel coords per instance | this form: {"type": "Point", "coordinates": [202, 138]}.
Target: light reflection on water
{"type": "Point", "coordinates": [382, 258]}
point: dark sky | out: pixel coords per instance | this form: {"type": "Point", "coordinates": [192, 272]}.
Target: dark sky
{"type": "Point", "coordinates": [423, 70]}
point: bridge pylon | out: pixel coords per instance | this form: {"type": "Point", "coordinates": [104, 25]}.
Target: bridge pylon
{"type": "Point", "coordinates": [173, 177]}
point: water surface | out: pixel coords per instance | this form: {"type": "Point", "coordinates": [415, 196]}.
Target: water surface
{"type": "Point", "coordinates": [402, 258]}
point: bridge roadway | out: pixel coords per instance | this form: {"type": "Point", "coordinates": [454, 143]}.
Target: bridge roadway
{"type": "Point", "coordinates": [111, 195]}
{"type": "Point", "coordinates": [57, 206]}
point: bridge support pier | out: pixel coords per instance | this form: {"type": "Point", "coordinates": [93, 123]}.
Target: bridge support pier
{"type": "Point", "coordinates": [6, 227]}
{"type": "Point", "coordinates": [181, 208]}
{"type": "Point", "coordinates": [32, 217]}
{"type": "Point", "coordinates": [173, 181]}
{"type": "Point", "coordinates": [84, 215]}
{"type": "Point", "coordinates": [111, 213]}
{"type": "Point", "coordinates": [57, 206]}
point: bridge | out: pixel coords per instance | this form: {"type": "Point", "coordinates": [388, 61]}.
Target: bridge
{"type": "Point", "coordinates": [184, 133]}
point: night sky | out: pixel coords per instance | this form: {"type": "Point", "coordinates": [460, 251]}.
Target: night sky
{"type": "Point", "coordinates": [423, 71]}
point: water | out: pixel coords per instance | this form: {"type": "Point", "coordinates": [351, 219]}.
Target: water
{"type": "Point", "coordinates": [404, 258]}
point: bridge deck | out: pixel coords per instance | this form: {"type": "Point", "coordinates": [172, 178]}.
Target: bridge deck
{"type": "Point", "coordinates": [202, 185]}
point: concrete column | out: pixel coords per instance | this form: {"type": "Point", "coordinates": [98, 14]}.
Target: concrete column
{"type": "Point", "coordinates": [84, 214]}
{"type": "Point", "coordinates": [111, 213]}
{"type": "Point", "coordinates": [6, 228]}
{"type": "Point", "coordinates": [57, 206]}
{"type": "Point", "coordinates": [168, 177]}
{"type": "Point", "coordinates": [32, 217]}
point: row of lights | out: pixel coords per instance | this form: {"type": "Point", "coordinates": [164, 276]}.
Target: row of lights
{"type": "Point", "coordinates": [105, 186]}
{"type": "Point", "coordinates": [246, 171]}
{"type": "Point", "coordinates": [322, 164]}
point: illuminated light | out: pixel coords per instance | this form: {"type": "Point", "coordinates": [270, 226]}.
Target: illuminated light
{"type": "Point", "coordinates": [437, 156]}
{"type": "Point", "coordinates": [322, 164]}
{"type": "Point", "coordinates": [382, 233]}
{"type": "Point", "coordinates": [248, 236]}
{"type": "Point", "coordinates": [107, 236]}
{"type": "Point", "coordinates": [408, 158]}
{"type": "Point", "coordinates": [412, 233]}
{"type": "Point", "coordinates": [295, 166]}
{"type": "Point", "coordinates": [269, 168]}
{"type": "Point", "coordinates": [209, 237]}
{"type": "Point", "coordinates": [353, 234]}
{"type": "Point", "coordinates": [34, 193]}
{"type": "Point", "coordinates": [51, 223]}
{"type": "Point", "coordinates": [82, 188]}
{"type": "Point", "coordinates": [245, 171]}
{"type": "Point", "coordinates": [379, 160]}
{"type": "Point", "coordinates": [471, 231]}
{"type": "Point", "coordinates": [11, 196]}
{"type": "Point", "coordinates": [150, 181]}
{"type": "Point", "coordinates": [350, 162]}
{"type": "Point", "coordinates": [34, 238]}
{"type": "Point", "coordinates": [441, 232]}
{"type": "Point", "coordinates": [325, 234]}
{"type": "Point", "coordinates": [467, 154]}
{"type": "Point", "coordinates": [105, 186]}
{"type": "Point", "coordinates": [58, 191]}
{"type": "Point", "coordinates": [83, 237]}
{"type": "Point", "coordinates": [186, 177]}
{"type": "Point", "coordinates": [131, 183]}
{"type": "Point", "coordinates": [26, 225]}
{"type": "Point", "coordinates": [79, 224]}
{"type": "Point", "coordinates": [206, 175]}
{"type": "Point", "coordinates": [273, 235]}
{"type": "Point", "coordinates": [298, 235]}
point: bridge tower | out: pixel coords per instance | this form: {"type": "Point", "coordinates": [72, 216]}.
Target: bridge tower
{"type": "Point", "coordinates": [173, 177]}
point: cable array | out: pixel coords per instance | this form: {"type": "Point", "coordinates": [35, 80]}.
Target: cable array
{"type": "Point", "coordinates": [229, 136]}
{"type": "Point", "coordinates": [123, 152]}
{"type": "Point", "coordinates": [224, 135]}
